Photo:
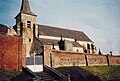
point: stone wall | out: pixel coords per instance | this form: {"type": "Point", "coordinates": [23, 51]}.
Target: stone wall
{"type": "Point", "coordinates": [27, 32]}
{"type": "Point", "coordinates": [10, 52]}
{"type": "Point", "coordinates": [62, 59]}
{"type": "Point", "coordinates": [47, 55]}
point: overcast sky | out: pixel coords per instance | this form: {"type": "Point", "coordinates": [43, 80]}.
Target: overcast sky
{"type": "Point", "coordinates": [99, 19]}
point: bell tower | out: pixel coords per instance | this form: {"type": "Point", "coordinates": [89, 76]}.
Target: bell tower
{"type": "Point", "coordinates": [25, 25]}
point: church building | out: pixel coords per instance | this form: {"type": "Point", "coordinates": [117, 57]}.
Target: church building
{"type": "Point", "coordinates": [37, 38]}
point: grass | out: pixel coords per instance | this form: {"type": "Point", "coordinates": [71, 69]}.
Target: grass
{"type": "Point", "coordinates": [97, 73]}
{"type": "Point", "coordinates": [8, 75]}
{"type": "Point", "coordinates": [104, 72]}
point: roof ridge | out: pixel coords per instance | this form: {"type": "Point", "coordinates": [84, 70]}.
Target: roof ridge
{"type": "Point", "coordinates": [67, 33]}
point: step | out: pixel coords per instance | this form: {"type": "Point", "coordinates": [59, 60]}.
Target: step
{"type": "Point", "coordinates": [49, 79]}
{"type": "Point", "coordinates": [45, 76]}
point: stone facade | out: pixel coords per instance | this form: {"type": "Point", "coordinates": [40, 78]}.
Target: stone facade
{"type": "Point", "coordinates": [47, 55]}
{"type": "Point", "coordinates": [26, 25]}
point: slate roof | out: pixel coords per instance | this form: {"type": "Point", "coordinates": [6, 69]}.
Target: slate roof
{"type": "Point", "coordinates": [3, 28]}
{"type": "Point", "coordinates": [66, 33]}
{"type": "Point", "coordinates": [25, 8]}
{"type": "Point", "coordinates": [55, 42]}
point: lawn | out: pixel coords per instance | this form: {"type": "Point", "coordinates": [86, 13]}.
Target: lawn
{"type": "Point", "coordinates": [90, 73]}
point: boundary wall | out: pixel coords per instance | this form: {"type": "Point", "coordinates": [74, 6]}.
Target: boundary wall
{"type": "Point", "coordinates": [12, 55]}
{"type": "Point", "coordinates": [62, 59]}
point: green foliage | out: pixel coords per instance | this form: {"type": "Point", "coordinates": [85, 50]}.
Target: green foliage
{"type": "Point", "coordinates": [7, 75]}
{"type": "Point", "coordinates": [93, 72]}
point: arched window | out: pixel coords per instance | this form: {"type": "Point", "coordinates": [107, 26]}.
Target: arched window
{"type": "Point", "coordinates": [28, 24]}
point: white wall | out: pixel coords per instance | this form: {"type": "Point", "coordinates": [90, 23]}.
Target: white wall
{"type": "Point", "coordinates": [82, 43]}
{"type": "Point", "coordinates": [35, 68]}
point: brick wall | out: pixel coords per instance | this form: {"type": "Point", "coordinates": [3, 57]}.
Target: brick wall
{"type": "Point", "coordinates": [24, 55]}
{"type": "Point", "coordinates": [10, 52]}
{"type": "Point", "coordinates": [61, 59]}
{"type": "Point", "coordinates": [94, 59]}
{"type": "Point", "coordinates": [114, 60]}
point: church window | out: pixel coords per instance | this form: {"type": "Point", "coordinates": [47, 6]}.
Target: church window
{"type": "Point", "coordinates": [28, 24]}
{"type": "Point", "coordinates": [34, 30]}
{"type": "Point", "coordinates": [88, 46]}
{"type": "Point", "coordinates": [29, 40]}
{"type": "Point", "coordinates": [77, 50]}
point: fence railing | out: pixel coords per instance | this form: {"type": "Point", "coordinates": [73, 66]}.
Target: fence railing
{"type": "Point", "coordinates": [56, 73]}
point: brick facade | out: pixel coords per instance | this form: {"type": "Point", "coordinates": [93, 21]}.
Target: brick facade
{"type": "Point", "coordinates": [67, 59]}
{"type": "Point", "coordinates": [114, 60]}
{"type": "Point", "coordinates": [10, 52]}
{"type": "Point", "coordinates": [61, 59]}
{"type": "Point", "coordinates": [94, 59]}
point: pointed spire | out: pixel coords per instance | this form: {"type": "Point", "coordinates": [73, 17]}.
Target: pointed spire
{"type": "Point", "coordinates": [25, 8]}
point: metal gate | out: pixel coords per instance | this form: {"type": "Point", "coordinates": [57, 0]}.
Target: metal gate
{"type": "Point", "coordinates": [35, 63]}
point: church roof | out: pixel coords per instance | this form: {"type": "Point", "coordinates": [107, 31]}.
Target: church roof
{"type": "Point", "coordinates": [66, 33]}
{"type": "Point", "coordinates": [3, 28]}
{"type": "Point", "coordinates": [55, 42]}
{"type": "Point", "coordinates": [25, 8]}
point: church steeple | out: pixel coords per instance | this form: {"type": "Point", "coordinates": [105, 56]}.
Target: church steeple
{"type": "Point", "coordinates": [25, 8]}
{"type": "Point", "coordinates": [26, 25]}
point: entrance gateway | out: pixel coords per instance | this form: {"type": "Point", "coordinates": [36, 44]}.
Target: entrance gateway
{"type": "Point", "coordinates": [35, 62]}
